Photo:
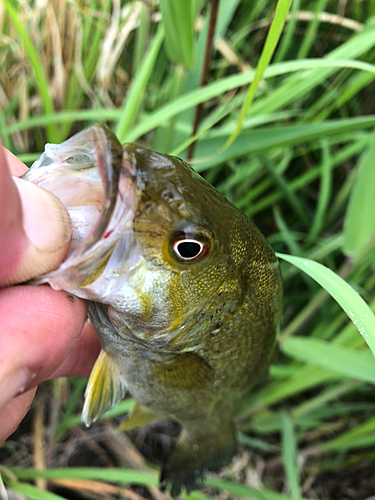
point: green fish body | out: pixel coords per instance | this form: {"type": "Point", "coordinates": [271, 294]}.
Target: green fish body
{"type": "Point", "coordinates": [185, 292]}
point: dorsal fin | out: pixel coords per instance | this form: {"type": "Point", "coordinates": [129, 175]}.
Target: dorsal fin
{"type": "Point", "coordinates": [104, 390]}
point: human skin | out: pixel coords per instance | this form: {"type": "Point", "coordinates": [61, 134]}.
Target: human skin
{"type": "Point", "coordinates": [43, 333]}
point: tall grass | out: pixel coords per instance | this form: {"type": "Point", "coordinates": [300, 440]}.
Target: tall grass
{"type": "Point", "coordinates": [302, 167]}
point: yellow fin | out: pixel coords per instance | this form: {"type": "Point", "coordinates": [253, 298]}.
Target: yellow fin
{"type": "Point", "coordinates": [185, 371]}
{"type": "Point", "coordinates": [104, 390]}
{"type": "Point", "coordinates": [139, 415]}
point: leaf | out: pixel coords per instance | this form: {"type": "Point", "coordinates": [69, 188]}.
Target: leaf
{"type": "Point", "coordinates": [272, 39]}
{"type": "Point", "coordinates": [262, 139]}
{"type": "Point", "coordinates": [36, 62]}
{"type": "Point", "coordinates": [132, 101]}
{"type": "Point", "coordinates": [324, 192]}
{"type": "Point", "coordinates": [344, 360]}
{"type": "Point", "coordinates": [359, 225]}
{"type": "Point", "coordinates": [121, 409]}
{"type": "Point", "coordinates": [89, 115]}
{"type": "Point", "coordinates": [121, 476]}
{"type": "Point", "coordinates": [240, 490]}
{"type": "Point", "coordinates": [181, 103]}
{"type": "Point", "coordinates": [308, 377]}
{"type": "Point", "coordinates": [34, 493]}
{"type": "Point", "coordinates": [363, 435]}
{"type": "Point", "coordinates": [289, 454]}
{"type": "Point", "coordinates": [350, 301]}
{"type": "Point", "coordinates": [178, 19]}
{"type": "Point", "coordinates": [316, 70]}
{"type": "Point", "coordinates": [302, 83]}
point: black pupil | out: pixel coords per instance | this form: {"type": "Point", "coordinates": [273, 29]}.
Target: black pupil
{"type": "Point", "coordinates": [189, 249]}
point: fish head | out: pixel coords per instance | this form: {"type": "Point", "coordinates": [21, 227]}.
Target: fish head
{"type": "Point", "coordinates": [180, 226]}
{"type": "Point", "coordinates": [167, 256]}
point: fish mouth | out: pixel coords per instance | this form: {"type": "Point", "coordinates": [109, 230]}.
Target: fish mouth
{"type": "Point", "coordinates": [88, 174]}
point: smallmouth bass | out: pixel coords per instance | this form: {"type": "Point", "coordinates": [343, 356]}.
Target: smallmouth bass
{"type": "Point", "coordinates": [185, 293]}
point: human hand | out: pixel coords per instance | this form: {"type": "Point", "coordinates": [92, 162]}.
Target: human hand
{"type": "Point", "coordinates": [40, 329]}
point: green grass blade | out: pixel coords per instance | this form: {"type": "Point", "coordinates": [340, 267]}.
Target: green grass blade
{"type": "Point", "coordinates": [320, 403]}
{"type": "Point", "coordinates": [4, 134]}
{"type": "Point", "coordinates": [255, 141]}
{"type": "Point", "coordinates": [307, 378]}
{"type": "Point", "coordinates": [289, 455]}
{"type": "Point", "coordinates": [363, 435]}
{"type": "Point", "coordinates": [256, 444]}
{"type": "Point", "coordinates": [287, 36]}
{"type": "Point", "coordinates": [356, 442]}
{"type": "Point", "coordinates": [134, 96]}
{"type": "Point", "coordinates": [29, 158]}
{"type": "Point", "coordinates": [287, 235]}
{"type": "Point", "coordinates": [32, 53]}
{"type": "Point", "coordinates": [225, 15]}
{"type": "Point", "coordinates": [164, 137]}
{"type": "Point", "coordinates": [240, 490]}
{"type": "Point", "coordinates": [324, 192]}
{"type": "Point", "coordinates": [352, 303]}
{"type": "Point", "coordinates": [128, 476]}
{"type": "Point", "coordinates": [349, 362]}
{"type": "Point", "coordinates": [91, 32]}
{"type": "Point", "coordinates": [34, 493]}
{"type": "Point", "coordinates": [284, 187]}
{"type": "Point", "coordinates": [121, 409]}
{"type": "Point", "coordinates": [272, 39]}
{"type": "Point", "coordinates": [94, 40]}
{"type": "Point", "coordinates": [359, 226]}
{"type": "Point", "coordinates": [80, 115]}
{"type": "Point", "coordinates": [178, 19]}
{"type": "Point", "coordinates": [306, 178]}
{"type": "Point", "coordinates": [299, 85]}
{"type": "Point", "coordinates": [120, 476]}
{"type": "Point", "coordinates": [345, 94]}
{"type": "Point", "coordinates": [219, 87]}
{"type": "Point", "coordinates": [195, 495]}
{"type": "Point", "coordinates": [310, 37]}
{"type": "Point", "coordinates": [141, 37]}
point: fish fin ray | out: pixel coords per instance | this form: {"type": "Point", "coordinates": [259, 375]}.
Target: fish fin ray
{"type": "Point", "coordinates": [185, 371]}
{"type": "Point", "coordinates": [139, 415]}
{"type": "Point", "coordinates": [195, 454]}
{"type": "Point", "coordinates": [104, 390]}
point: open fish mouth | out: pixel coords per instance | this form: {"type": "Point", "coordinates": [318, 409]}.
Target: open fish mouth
{"type": "Point", "coordinates": [88, 174]}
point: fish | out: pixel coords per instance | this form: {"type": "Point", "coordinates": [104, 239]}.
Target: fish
{"type": "Point", "coordinates": [185, 293]}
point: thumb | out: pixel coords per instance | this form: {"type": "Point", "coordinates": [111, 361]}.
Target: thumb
{"type": "Point", "coordinates": [35, 228]}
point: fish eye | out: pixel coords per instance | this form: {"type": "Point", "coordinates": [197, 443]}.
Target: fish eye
{"type": "Point", "coordinates": [189, 249]}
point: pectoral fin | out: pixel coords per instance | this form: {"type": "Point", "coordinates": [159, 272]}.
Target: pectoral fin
{"type": "Point", "coordinates": [139, 415]}
{"type": "Point", "coordinates": [104, 390]}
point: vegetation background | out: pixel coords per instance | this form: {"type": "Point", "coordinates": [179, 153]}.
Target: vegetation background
{"type": "Point", "coordinates": [302, 167]}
